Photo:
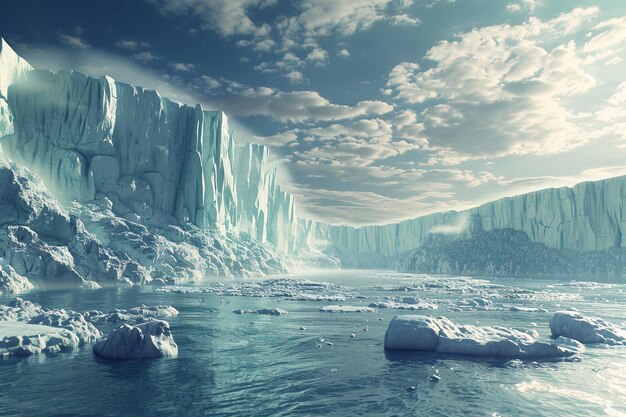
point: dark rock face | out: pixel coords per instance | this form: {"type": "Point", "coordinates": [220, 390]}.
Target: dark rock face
{"type": "Point", "coordinates": [508, 252]}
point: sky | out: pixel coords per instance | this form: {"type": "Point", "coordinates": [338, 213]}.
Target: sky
{"type": "Point", "coordinates": [375, 110]}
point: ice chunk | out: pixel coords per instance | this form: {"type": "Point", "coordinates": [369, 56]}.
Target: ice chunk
{"type": "Point", "coordinates": [585, 329]}
{"type": "Point", "coordinates": [21, 339]}
{"type": "Point", "coordinates": [264, 311]}
{"type": "Point", "coordinates": [347, 309]}
{"type": "Point", "coordinates": [147, 340]}
{"type": "Point", "coordinates": [427, 333]}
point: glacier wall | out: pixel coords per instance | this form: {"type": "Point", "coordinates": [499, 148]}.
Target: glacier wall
{"type": "Point", "coordinates": [589, 216]}
{"type": "Point", "coordinates": [157, 160]}
{"type": "Point", "coordinates": [12, 69]}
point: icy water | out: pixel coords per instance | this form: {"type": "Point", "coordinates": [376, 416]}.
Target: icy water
{"type": "Point", "coordinates": [239, 365]}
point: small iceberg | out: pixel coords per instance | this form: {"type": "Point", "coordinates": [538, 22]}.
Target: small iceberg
{"type": "Point", "coordinates": [147, 340]}
{"type": "Point", "coordinates": [585, 329]}
{"type": "Point", "coordinates": [427, 333]}
{"type": "Point", "coordinates": [263, 311]}
{"type": "Point", "coordinates": [347, 309]}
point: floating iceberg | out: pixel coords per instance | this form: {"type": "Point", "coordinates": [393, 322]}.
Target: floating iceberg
{"type": "Point", "coordinates": [147, 340]}
{"type": "Point", "coordinates": [21, 339]}
{"type": "Point", "coordinates": [427, 333]}
{"type": "Point", "coordinates": [347, 309]}
{"type": "Point", "coordinates": [263, 311]}
{"type": "Point", "coordinates": [586, 329]}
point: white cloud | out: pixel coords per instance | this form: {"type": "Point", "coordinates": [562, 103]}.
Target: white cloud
{"type": "Point", "coordinates": [344, 53]}
{"type": "Point", "coordinates": [295, 76]}
{"type": "Point", "coordinates": [500, 90]}
{"type": "Point", "coordinates": [145, 57]}
{"type": "Point", "coordinates": [74, 41]}
{"type": "Point", "coordinates": [130, 44]}
{"type": "Point", "coordinates": [295, 106]}
{"type": "Point", "coordinates": [182, 67]}
{"type": "Point", "coordinates": [226, 17]}
{"type": "Point", "coordinates": [529, 5]}
{"type": "Point", "coordinates": [317, 54]}
{"type": "Point", "coordinates": [210, 82]}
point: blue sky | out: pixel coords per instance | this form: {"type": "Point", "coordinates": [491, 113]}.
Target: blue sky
{"type": "Point", "coordinates": [376, 110]}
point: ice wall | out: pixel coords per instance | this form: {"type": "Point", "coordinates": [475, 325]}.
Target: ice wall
{"type": "Point", "coordinates": [588, 216]}
{"type": "Point", "coordinates": [12, 69]}
{"type": "Point", "coordinates": [157, 160]}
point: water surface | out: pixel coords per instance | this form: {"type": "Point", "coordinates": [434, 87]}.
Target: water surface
{"type": "Point", "coordinates": [238, 365]}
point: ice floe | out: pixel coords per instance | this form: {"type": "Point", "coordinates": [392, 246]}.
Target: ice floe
{"type": "Point", "coordinates": [22, 339]}
{"type": "Point", "coordinates": [147, 340]}
{"type": "Point", "coordinates": [586, 329]}
{"type": "Point", "coordinates": [427, 333]}
{"type": "Point", "coordinates": [263, 311]}
{"type": "Point", "coordinates": [32, 313]}
{"type": "Point", "coordinates": [347, 309]}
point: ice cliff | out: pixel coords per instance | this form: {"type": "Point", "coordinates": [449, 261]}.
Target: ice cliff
{"type": "Point", "coordinates": [137, 188]}
{"type": "Point", "coordinates": [156, 160]}
{"type": "Point", "coordinates": [591, 216]}
{"type": "Point", "coordinates": [12, 69]}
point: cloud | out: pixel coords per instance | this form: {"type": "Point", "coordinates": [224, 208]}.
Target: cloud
{"type": "Point", "coordinates": [73, 41]}
{"type": "Point", "coordinates": [226, 17]}
{"type": "Point", "coordinates": [130, 44]}
{"type": "Point", "coordinates": [297, 106]}
{"type": "Point", "coordinates": [501, 90]}
{"type": "Point", "coordinates": [182, 67]}
{"type": "Point", "coordinates": [343, 53]}
{"type": "Point", "coordinates": [145, 57]}
{"type": "Point", "coordinates": [210, 82]}
{"type": "Point", "coordinates": [529, 5]}
{"type": "Point", "coordinates": [297, 33]}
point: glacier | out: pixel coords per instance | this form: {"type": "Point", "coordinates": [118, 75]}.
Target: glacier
{"type": "Point", "coordinates": [156, 160]}
{"type": "Point", "coordinates": [136, 188]}
{"type": "Point", "coordinates": [588, 218]}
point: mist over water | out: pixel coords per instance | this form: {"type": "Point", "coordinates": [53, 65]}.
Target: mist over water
{"type": "Point", "coordinates": [233, 365]}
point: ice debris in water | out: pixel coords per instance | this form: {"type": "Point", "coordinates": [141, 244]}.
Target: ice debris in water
{"type": "Point", "coordinates": [292, 289]}
{"type": "Point", "coordinates": [427, 333]}
{"type": "Point", "coordinates": [347, 309]}
{"type": "Point", "coordinates": [473, 288]}
{"type": "Point", "coordinates": [404, 303]}
{"type": "Point", "coordinates": [133, 315]}
{"type": "Point", "coordinates": [22, 339]}
{"type": "Point", "coordinates": [586, 329]}
{"type": "Point", "coordinates": [263, 311]}
{"type": "Point", "coordinates": [147, 340]}
{"type": "Point", "coordinates": [26, 311]}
